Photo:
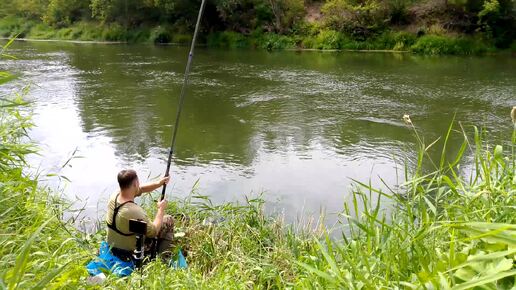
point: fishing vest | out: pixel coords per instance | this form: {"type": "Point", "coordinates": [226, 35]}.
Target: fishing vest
{"type": "Point", "coordinates": [113, 220]}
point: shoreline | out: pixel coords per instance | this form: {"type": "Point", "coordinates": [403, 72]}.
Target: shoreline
{"type": "Point", "coordinates": [66, 41]}
{"type": "Point", "coordinates": [349, 50]}
{"type": "Point", "coordinates": [203, 45]}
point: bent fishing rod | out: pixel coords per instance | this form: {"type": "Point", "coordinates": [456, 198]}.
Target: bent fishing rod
{"type": "Point", "coordinates": [182, 95]}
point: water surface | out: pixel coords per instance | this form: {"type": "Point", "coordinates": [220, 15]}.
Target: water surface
{"type": "Point", "coordinates": [296, 126]}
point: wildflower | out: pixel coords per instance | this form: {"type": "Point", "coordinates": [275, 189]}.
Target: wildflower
{"type": "Point", "coordinates": [406, 119]}
{"type": "Point", "coordinates": [513, 115]}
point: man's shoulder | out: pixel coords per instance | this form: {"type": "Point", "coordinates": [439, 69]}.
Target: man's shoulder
{"type": "Point", "coordinates": [113, 196]}
{"type": "Point", "coordinates": [132, 210]}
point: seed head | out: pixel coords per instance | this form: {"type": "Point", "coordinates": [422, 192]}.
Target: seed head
{"type": "Point", "coordinates": [406, 119]}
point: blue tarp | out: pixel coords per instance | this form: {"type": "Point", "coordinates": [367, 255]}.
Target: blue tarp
{"type": "Point", "coordinates": [108, 263]}
{"type": "Point", "coordinates": [180, 263]}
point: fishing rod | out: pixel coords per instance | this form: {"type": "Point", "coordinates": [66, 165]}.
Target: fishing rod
{"type": "Point", "coordinates": [182, 95]}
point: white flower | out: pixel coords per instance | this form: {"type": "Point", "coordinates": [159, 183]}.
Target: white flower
{"type": "Point", "coordinates": [406, 119]}
{"type": "Point", "coordinates": [513, 115]}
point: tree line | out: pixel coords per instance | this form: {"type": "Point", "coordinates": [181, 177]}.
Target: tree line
{"type": "Point", "coordinates": [360, 19]}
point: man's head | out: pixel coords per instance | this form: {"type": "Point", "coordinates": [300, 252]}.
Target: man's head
{"type": "Point", "coordinates": [128, 180]}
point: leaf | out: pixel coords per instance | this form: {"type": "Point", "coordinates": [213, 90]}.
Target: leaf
{"type": "Point", "coordinates": [329, 260]}
{"type": "Point", "coordinates": [318, 272]}
{"type": "Point", "coordinates": [43, 282]}
{"type": "Point", "coordinates": [498, 152]}
{"type": "Point", "coordinates": [9, 42]}
{"type": "Point", "coordinates": [22, 258]}
{"type": "Point", "coordinates": [465, 274]}
{"type": "Point", "coordinates": [430, 205]}
{"type": "Point", "coordinates": [484, 280]}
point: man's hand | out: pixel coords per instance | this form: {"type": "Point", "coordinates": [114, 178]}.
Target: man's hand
{"type": "Point", "coordinates": [158, 220]}
{"type": "Point", "coordinates": [162, 205]}
{"type": "Point", "coordinates": [148, 187]}
{"type": "Point", "coordinates": [164, 180]}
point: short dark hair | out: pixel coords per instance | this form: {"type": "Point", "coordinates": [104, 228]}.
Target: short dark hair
{"type": "Point", "coordinates": [126, 178]}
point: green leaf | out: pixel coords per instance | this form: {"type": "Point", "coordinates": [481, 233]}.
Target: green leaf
{"type": "Point", "coordinates": [21, 260]}
{"type": "Point", "coordinates": [318, 272]}
{"type": "Point", "coordinates": [43, 282]}
{"type": "Point", "coordinates": [498, 152]}
{"type": "Point", "coordinates": [483, 280]}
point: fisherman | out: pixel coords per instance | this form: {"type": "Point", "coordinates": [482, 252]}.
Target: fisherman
{"type": "Point", "coordinates": [121, 209]}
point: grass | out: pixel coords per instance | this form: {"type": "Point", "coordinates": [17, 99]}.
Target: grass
{"type": "Point", "coordinates": [90, 31]}
{"type": "Point", "coordinates": [445, 229]}
{"type": "Point", "coordinates": [437, 44]}
{"type": "Point", "coordinates": [334, 40]}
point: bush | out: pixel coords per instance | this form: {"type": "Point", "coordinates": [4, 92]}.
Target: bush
{"type": "Point", "coordinates": [161, 34]}
{"type": "Point", "coordinates": [309, 42]}
{"type": "Point", "coordinates": [114, 32]}
{"type": "Point", "coordinates": [385, 41]}
{"type": "Point", "coordinates": [358, 18]}
{"type": "Point", "coordinates": [42, 31]}
{"type": "Point", "coordinates": [141, 34]}
{"type": "Point", "coordinates": [90, 31]}
{"type": "Point", "coordinates": [434, 44]}
{"type": "Point", "coordinates": [227, 39]}
{"type": "Point", "coordinates": [69, 33]}
{"type": "Point", "coordinates": [328, 39]}
{"type": "Point", "coordinates": [513, 46]}
{"type": "Point", "coordinates": [11, 26]}
{"type": "Point", "coordinates": [272, 41]}
{"type": "Point", "coordinates": [394, 40]}
{"type": "Point", "coordinates": [62, 13]}
{"type": "Point", "coordinates": [182, 38]}
{"type": "Point", "coordinates": [397, 11]}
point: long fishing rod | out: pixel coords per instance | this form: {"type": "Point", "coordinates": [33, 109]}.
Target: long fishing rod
{"type": "Point", "coordinates": [183, 93]}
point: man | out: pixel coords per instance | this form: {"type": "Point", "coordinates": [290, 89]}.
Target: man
{"type": "Point", "coordinates": [121, 209]}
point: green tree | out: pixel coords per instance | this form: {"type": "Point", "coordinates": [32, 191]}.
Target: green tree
{"type": "Point", "coordinates": [357, 17]}
{"type": "Point", "coordinates": [270, 15]}
{"type": "Point", "coordinates": [30, 8]}
{"type": "Point", "coordinates": [128, 12]}
{"type": "Point", "coordinates": [286, 13]}
{"type": "Point", "coordinates": [64, 12]}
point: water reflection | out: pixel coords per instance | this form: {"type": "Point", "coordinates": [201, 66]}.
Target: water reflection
{"type": "Point", "coordinates": [295, 125]}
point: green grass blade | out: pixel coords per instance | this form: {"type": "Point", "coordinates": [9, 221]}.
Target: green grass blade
{"type": "Point", "coordinates": [484, 280]}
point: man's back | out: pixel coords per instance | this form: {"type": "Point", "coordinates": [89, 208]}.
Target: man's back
{"type": "Point", "coordinates": [118, 234]}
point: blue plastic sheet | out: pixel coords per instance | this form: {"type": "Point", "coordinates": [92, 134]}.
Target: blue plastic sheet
{"type": "Point", "coordinates": [108, 263]}
{"type": "Point", "coordinates": [180, 262]}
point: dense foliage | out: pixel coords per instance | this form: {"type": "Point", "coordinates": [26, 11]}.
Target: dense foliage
{"type": "Point", "coordinates": [327, 24]}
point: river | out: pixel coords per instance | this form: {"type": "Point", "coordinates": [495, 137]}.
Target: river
{"type": "Point", "coordinates": [295, 126]}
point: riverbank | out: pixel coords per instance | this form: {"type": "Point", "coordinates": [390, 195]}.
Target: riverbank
{"type": "Point", "coordinates": [64, 41]}
{"type": "Point", "coordinates": [322, 39]}
{"type": "Point", "coordinates": [447, 230]}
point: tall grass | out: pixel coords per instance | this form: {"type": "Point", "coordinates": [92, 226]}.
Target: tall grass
{"type": "Point", "coordinates": [36, 246]}
{"type": "Point", "coordinates": [439, 44]}
{"type": "Point", "coordinates": [439, 230]}
{"type": "Point", "coordinates": [448, 230]}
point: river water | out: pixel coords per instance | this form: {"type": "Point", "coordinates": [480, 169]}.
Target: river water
{"type": "Point", "coordinates": [295, 126]}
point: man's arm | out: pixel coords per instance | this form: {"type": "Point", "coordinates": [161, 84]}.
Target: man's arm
{"type": "Point", "coordinates": [148, 187]}
{"type": "Point", "coordinates": [158, 220]}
